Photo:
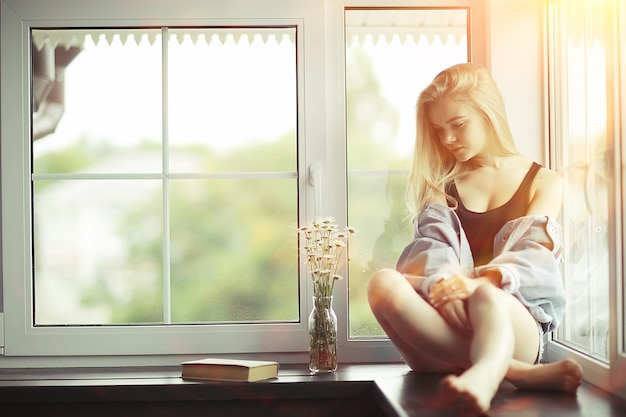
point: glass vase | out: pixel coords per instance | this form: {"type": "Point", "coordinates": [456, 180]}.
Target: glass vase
{"type": "Point", "coordinates": [322, 336]}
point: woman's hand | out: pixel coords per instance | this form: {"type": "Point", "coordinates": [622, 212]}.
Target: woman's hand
{"type": "Point", "coordinates": [448, 297]}
{"type": "Point", "coordinates": [457, 287]}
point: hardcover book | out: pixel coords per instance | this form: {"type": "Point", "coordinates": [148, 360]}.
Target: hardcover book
{"type": "Point", "coordinates": [239, 370]}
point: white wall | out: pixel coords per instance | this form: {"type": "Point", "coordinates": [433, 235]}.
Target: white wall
{"type": "Point", "coordinates": [517, 60]}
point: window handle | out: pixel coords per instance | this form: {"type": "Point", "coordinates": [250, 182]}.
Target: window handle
{"type": "Point", "coordinates": [315, 179]}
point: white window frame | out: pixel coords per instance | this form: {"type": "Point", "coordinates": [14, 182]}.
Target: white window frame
{"type": "Point", "coordinates": [21, 338]}
{"type": "Point", "coordinates": [618, 289]}
{"type": "Point", "coordinates": [321, 135]}
{"type": "Point", "coordinates": [608, 376]}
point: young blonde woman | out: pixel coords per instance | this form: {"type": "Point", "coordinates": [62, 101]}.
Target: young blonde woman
{"type": "Point", "coordinates": [474, 292]}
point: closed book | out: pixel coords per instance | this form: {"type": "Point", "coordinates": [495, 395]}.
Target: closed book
{"type": "Point", "coordinates": [239, 370]}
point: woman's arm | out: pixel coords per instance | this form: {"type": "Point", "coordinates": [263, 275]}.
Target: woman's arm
{"type": "Point", "coordinates": [439, 249]}
{"type": "Point", "coordinates": [548, 194]}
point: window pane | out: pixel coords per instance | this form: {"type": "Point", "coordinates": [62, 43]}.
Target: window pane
{"type": "Point", "coordinates": [234, 94]}
{"type": "Point", "coordinates": [234, 250]}
{"type": "Point", "coordinates": [584, 152]}
{"type": "Point", "coordinates": [98, 249]}
{"type": "Point", "coordinates": [391, 55]}
{"type": "Point", "coordinates": [96, 101]}
{"type": "Point", "coordinates": [379, 243]}
{"type": "Point", "coordinates": [150, 210]}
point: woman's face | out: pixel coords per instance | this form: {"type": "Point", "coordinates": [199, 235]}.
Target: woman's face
{"type": "Point", "coordinates": [461, 130]}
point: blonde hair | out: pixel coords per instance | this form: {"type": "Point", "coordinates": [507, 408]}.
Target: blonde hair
{"type": "Point", "coordinates": [433, 165]}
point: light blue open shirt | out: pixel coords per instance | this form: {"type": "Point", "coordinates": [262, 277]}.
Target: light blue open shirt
{"type": "Point", "coordinates": [527, 252]}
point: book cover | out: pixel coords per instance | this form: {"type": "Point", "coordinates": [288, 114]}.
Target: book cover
{"type": "Point", "coordinates": [239, 370]}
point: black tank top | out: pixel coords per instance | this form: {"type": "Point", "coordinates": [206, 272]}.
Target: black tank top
{"type": "Point", "coordinates": [481, 228]}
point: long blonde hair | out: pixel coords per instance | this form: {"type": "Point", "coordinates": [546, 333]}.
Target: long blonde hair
{"type": "Point", "coordinates": [433, 165]}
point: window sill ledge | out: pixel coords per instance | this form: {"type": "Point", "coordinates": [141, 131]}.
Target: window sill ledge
{"type": "Point", "coordinates": [357, 389]}
{"type": "Point", "coordinates": [351, 390]}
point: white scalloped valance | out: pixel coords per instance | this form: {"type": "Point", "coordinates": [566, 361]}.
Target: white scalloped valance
{"type": "Point", "coordinates": [387, 35]}
{"type": "Point", "coordinates": [385, 25]}
{"type": "Point", "coordinates": [68, 38]}
{"type": "Point", "coordinates": [361, 25]}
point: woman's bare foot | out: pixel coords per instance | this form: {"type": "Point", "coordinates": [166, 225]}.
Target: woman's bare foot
{"type": "Point", "coordinates": [467, 394]}
{"type": "Point", "coordinates": [565, 376]}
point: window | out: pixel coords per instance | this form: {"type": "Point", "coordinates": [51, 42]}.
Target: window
{"type": "Point", "coordinates": [156, 180]}
{"type": "Point", "coordinates": [583, 155]}
{"type": "Point", "coordinates": [167, 178]}
{"type": "Point", "coordinates": [146, 223]}
{"type": "Point", "coordinates": [391, 55]}
{"type": "Point", "coordinates": [586, 123]}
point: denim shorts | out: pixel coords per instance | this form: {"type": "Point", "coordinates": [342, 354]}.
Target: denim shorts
{"type": "Point", "coordinates": [542, 343]}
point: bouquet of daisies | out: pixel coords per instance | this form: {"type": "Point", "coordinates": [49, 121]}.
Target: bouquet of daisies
{"type": "Point", "coordinates": [324, 244]}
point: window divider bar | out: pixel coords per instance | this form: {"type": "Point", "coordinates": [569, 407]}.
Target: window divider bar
{"type": "Point", "coordinates": [167, 294]}
{"type": "Point", "coordinates": [162, 176]}
{"type": "Point", "coordinates": [99, 176]}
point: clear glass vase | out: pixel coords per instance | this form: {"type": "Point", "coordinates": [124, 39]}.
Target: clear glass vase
{"type": "Point", "coordinates": [322, 336]}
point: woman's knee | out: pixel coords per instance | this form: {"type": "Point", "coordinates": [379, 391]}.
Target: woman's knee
{"type": "Point", "coordinates": [382, 278]}
{"type": "Point", "coordinates": [487, 295]}
{"type": "Point", "coordinates": [381, 285]}
{"type": "Point", "coordinates": [512, 314]}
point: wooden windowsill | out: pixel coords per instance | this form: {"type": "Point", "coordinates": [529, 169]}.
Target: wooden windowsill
{"type": "Point", "coordinates": [357, 389]}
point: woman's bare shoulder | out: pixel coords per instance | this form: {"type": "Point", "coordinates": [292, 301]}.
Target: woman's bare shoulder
{"type": "Point", "coordinates": [548, 178]}
{"type": "Point", "coordinates": [547, 193]}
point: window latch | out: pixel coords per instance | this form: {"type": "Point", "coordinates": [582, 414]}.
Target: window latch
{"type": "Point", "coordinates": [315, 179]}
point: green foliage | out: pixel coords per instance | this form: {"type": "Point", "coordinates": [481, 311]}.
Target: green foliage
{"type": "Point", "coordinates": [80, 155]}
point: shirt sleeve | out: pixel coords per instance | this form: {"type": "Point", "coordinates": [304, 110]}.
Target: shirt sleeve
{"type": "Point", "coordinates": [439, 248]}
{"type": "Point", "coordinates": [527, 255]}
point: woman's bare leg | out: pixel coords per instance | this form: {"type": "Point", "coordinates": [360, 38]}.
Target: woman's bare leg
{"type": "Point", "coordinates": [492, 314]}
{"type": "Point", "coordinates": [427, 343]}
{"type": "Point", "coordinates": [420, 330]}
{"type": "Point", "coordinates": [417, 360]}
{"type": "Point", "coordinates": [565, 376]}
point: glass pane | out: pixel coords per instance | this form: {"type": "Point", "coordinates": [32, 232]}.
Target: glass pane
{"type": "Point", "coordinates": [222, 182]}
{"type": "Point", "coordinates": [98, 252]}
{"type": "Point", "coordinates": [233, 95]}
{"type": "Point", "coordinates": [96, 101]}
{"type": "Point", "coordinates": [234, 250]}
{"type": "Point", "coordinates": [380, 199]}
{"type": "Point", "coordinates": [585, 214]}
{"type": "Point", "coordinates": [391, 55]}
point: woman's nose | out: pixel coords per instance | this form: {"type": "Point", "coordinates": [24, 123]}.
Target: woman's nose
{"type": "Point", "coordinates": [448, 137]}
